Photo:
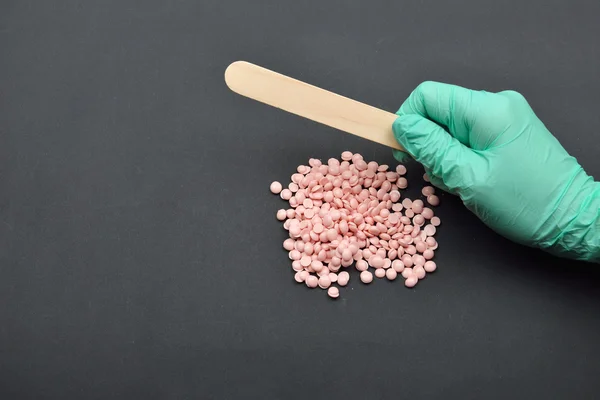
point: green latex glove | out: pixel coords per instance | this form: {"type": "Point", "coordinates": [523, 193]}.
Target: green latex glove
{"type": "Point", "coordinates": [492, 151]}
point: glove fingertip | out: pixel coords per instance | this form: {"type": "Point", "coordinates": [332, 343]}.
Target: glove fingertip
{"type": "Point", "coordinates": [401, 156]}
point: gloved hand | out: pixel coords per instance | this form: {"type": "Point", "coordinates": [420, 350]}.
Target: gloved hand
{"type": "Point", "coordinates": [492, 151]}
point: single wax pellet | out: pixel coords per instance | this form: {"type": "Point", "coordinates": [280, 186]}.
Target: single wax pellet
{"type": "Point", "coordinates": [421, 247]}
{"type": "Point", "coordinates": [419, 272]}
{"type": "Point", "coordinates": [418, 220]}
{"type": "Point", "coordinates": [312, 281]}
{"type": "Point", "coordinates": [347, 255]}
{"type": "Point", "coordinates": [333, 277]}
{"type": "Point", "coordinates": [427, 213]}
{"type": "Point", "coordinates": [433, 200]}
{"type": "Point", "coordinates": [286, 194]}
{"type": "Point", "coordinates": [380, 272]}
{"type": "Point", "coordinates": [296, 266]}
{"type": "Point", "coordinates": [281, 215]}
{"type": "Point", "coordinates": [426, 177]}
{"type": "Point", "coordinates": [376, 261]}
{"type": "Point", "coordinates": [398, 266]}
{"type": "Point", "coordinates": [391, 274]}
{"type": "Point", "coordinates": [305, 261]}
{"type": "Point", "coordinates": [276, 187]}
{"type": "Point", "coordinates": [407, 273]}
{"type": "Point", "coordinates": [347, 156]}
{"type": "Point", "coordinates": [288, 244]}
{"type": "Point", "coordinates": [429, 230]}
{"type": "Point", "coordinates": [411, 281]}
{"type": "Point", "coordinates": [430, 266]}
{"type": "Point", "coordinates": [387, 263]}
{"type": "Point", "coordinates": [418, 260]}
{"type": "Point", "coordinates": [428, 191]}
{"type": "Point", "coordinates": [407, 203]}
{"type": "Point", "coordinates": [333, 292]}
{"type": "Point", "coordinates": [401, 169]}
{"type": "Point", "coordinates": [435, 221]}
{"type": "Point", "coordinates": [366, 277]}
{"type": "Point", "coordinates": [361, 265]}
{"type": "Point", "coordinates": [324, 282]}
{"type": "Point", "coordinates": [316, 265]}
{"type": "Point", "coordinates": [417, 206]}
{"type": "Point", "coordinates": [402, 183]}
{"type": "Point", "coordinates": [343, 278]}
{"type": "Point", "coordinates": [428, 254]}
{"type": "Point", "coordinates": [298, 277]}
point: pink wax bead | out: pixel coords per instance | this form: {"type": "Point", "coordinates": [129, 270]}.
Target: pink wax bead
{"type": "Point", "coordinates": [376, 261]}
{"type": "Point", "coordinates": [312, 281]}
{"type": "Point", "coordinates": [427, 213]}
{"type": "Point", "coordinates": [401, 169]}
{"type": "Point", "coordinates": [333, 292]}
{"type": "Point", "coordinates": [428, 254]}
{"type": "Point", "coordinates": [316, 265]}
{"type": "Point", "coordinates": [286, 194]}
{"type": "Point", "coordinates": [380, 273]}
{"type": "Point", "coordinates": [411, 282]}
{"type": "Point", "coordinates": [362, 265]}
{"type": "Point", "coordinates": [418, 260]}
{"type": "Point", "coordinates": [419, 272]}
{"type": "Point", "coordinates": [435, 221]}
{"type": "Point", "coordinates": [433, 200]}
{"type": "Point", "coordinates": [428, 191]}
{"type": "Point", "coordinates": [407, 272]}
{"type": "Point", "coordinates": [430, 266]}
{"type": "Point", "coordinates": [343, 278]}
{"type": "Point", "coordinates": [295, 255]}
{"type": "Point", "coordinates": [418, 220]}
{"type": "Point", "coordinates": [281, 215]}
{"type": "Point", "coordinates": [366, 277]}
{"type": "Point", "coordinates": [398, 266]}
{"type": "Point", "coordinates": [288, 244]}
{"type": "Point", "coordinates": [429, 230]}
{"type": "Point", "coordinates": [391, 274]}
{"type": "Point", "coordinates": [324, 282]}
{"type": "Point", "coordinates": [296, 266]}
{"type": "Point", "coordinates": [276, 187]}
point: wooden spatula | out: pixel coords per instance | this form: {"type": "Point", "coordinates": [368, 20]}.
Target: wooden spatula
{"type": "Point", "coordinates": [312, 102]}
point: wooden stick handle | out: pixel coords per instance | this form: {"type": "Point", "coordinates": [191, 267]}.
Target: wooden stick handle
{"type": "Point", "coordinates": [312, 102]}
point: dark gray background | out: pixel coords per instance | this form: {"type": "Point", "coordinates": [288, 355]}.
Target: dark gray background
{"type": "Point", "coordinates": [139, 253]}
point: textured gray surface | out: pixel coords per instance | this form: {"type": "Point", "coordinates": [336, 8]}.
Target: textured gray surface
{"type": "Point", "coordinates": [139, 253]}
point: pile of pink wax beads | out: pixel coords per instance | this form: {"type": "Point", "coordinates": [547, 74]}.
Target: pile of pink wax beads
{"type": "Point", "coordinates": [350, 212]}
